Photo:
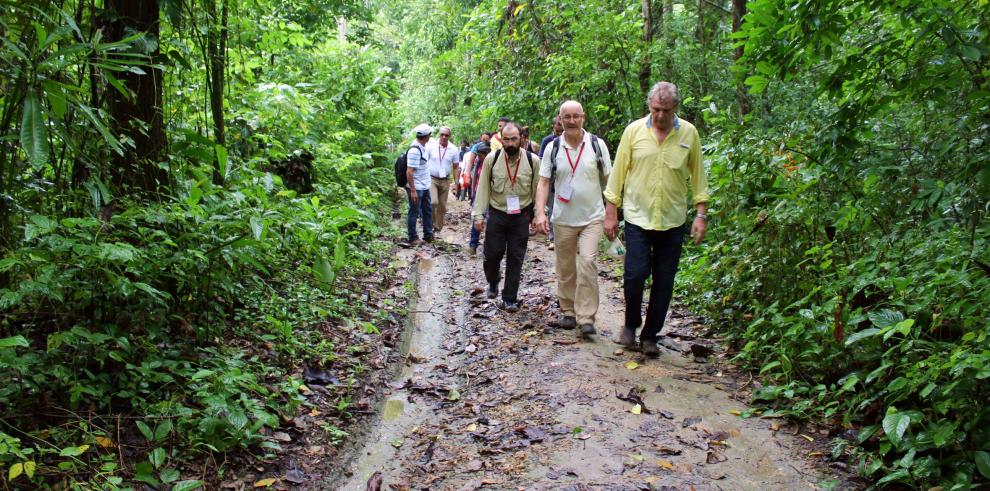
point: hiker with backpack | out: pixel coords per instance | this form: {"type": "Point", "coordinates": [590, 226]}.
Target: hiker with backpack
{"type": "Point", "coordinates": [413, 173]}
{"type": "Point", "coordinates": [578, 165]}
{"type": "Point", "coordinates": [507, 191]}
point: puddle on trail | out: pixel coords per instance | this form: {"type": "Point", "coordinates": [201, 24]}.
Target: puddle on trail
{"type": "Point", "coordinates": [422, 341]}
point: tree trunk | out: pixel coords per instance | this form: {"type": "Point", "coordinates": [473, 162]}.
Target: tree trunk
{"type": "Point", "coordinates": [216, 46]}
{"type": "Point", "coordinates": [644, 68]}
{"type": "Point", "coordinates": [668, 62]}
{"type": "Point", "coordinates": [738, 12]}
{"type": "Point", "coordinates": [138, 118]}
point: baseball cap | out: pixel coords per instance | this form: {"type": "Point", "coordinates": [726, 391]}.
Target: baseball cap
{"type": "Point", "coordinates": [423, 130]}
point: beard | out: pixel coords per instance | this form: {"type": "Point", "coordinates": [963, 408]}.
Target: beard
{"type": "Point", "coordinates": [511, 151]}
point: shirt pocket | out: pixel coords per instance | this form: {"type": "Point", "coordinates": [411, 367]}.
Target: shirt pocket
{"type": "Point", "coordinates": [677, 156]}
{"type": "Point", "coordinates": [500, 184]}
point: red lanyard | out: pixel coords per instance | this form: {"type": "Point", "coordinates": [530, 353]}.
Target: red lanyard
{"type": "Point", "coordinates": [575, 163]}
{"type": "Point", "coordinates": [442, 153]}
{"type": "Point", "coordinates": [512, 177]}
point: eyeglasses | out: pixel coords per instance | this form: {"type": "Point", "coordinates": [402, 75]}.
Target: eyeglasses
{"type": "Point", "coordinates": [445, 134]}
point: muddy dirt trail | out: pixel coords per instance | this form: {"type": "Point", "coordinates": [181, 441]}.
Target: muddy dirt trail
{"type": "Point", "coordinates": [496, 400]}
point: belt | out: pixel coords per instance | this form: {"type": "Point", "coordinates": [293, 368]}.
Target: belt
{"type": "Point", "coordinates": [440, 178]}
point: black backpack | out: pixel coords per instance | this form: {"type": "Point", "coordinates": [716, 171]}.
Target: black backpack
{"type": "Point", "coordinates": [555, 147]}
{"type": "Point", "coordinates": [401, 166]}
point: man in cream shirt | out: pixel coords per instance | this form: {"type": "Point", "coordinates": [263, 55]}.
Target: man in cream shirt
{"type": "Point", "coordinates": [578, 163]}
{"type": "Point", "coordinates": [443, 159]}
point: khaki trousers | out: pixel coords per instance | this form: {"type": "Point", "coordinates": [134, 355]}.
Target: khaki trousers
{"type": "Point", "coordinates": [439, 189]}
{"type": "Point", "coordinates": [577, 274]}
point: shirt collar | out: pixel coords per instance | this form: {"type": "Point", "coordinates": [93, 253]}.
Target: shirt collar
{"type": "Point", "coordinates": [585, 138]}
{"type": "Point", "coordinates": [677, 122]}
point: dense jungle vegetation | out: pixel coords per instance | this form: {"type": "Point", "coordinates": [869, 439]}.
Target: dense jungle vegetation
{"type": "Point", "coordinates": [189, 187]}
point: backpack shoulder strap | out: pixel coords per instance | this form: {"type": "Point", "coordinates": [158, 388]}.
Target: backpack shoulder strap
{"type": "Point", "coordinates": [491, 173]}
{"type": "Point", "coordinates": [554, 148]}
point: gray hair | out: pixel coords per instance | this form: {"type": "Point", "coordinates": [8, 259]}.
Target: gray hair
{"type": "Point", "coordinates": [664, 90]}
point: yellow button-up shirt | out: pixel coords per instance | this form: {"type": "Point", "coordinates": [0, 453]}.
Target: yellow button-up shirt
{"type": "Point", "coordinates": [649, 180]}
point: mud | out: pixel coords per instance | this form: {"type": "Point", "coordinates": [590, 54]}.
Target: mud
{"type": "Point", "coordinates": [489, 399]}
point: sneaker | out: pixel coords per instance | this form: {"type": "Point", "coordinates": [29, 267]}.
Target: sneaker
{"type": "Point", "coordinates": [415, 242]}
{"type": "Point", "coordinates": [550, 246]}
{"type": "Point", "coordinates": [509, 305]}
{"type": "Point", "coordinates": [491, 292]}
{"type": "Point", "coordinates": [568, 322]}
{"type": "Point", "coordinates": [588, 330]}
{"type": "Point", "coordinates": [628, 337]}
{"type": "Point", "coordinates": [650, 349]}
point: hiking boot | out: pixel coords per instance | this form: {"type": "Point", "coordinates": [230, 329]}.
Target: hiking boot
{"type": "Point", "coordinates": [628, 337]}
{"type": "Point", "coordinates": [492, 292]}
{"type": "Point", "coordinates": [649, 348]}
{"type": "Point", "coordinates": [568, 322]}
{"type": "Point", "coordinates": [509, 305]}
{"type": "Point", "coordinates": [588, 330]}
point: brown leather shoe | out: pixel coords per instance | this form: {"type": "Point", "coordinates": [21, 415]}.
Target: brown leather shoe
{"type": "Point", "coordinates": [588, 330]}
{"type": "Point", "coordinates": [649, 348]}
{"type": "Point", "coordinates": [628, 338]}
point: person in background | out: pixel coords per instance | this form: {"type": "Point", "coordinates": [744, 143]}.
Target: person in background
{"type": "Point", "coordinates": [507, 190]}
{"type": "Point", "coordinates": [657, 157]}
{"type": "Point", "coordinates": [528, 144]}
{"type": "Point", "coordinates": [418, 175]}
{"type": "Point", "coordinates": [558, 129]}
{"type": "Point", "coordinates": [475, 237]}
{"type": "Point", "coordinates": [496, 137]}
{"type": "Point", "coordinates": [443, 162]}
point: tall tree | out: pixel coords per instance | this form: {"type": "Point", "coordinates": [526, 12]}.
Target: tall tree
{"type": "Point", "coordinates": [216, 47]}
{"type": "Point", "coordinates": [738, 12]}
{"type": "Point", "coordinates": [137, 116]}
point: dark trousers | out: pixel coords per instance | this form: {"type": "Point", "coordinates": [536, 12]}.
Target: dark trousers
{"type": "Point", "coordinates": [475, 237]}
{"type": "Point", "coordinates": [424, 208]}
{"type": "Point", "coordinates": [656, 253]}
{"type": "Point", "coordinates": [505, 235]}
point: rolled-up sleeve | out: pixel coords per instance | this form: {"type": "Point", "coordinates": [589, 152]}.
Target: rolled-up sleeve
{"type": "Point", "coordinates": [699, 181]}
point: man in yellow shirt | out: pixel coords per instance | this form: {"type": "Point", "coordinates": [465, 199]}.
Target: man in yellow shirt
{"type": "Point", "coordinates": [507, 190]}
{"type": "Point", "coordinates": [496, 141]}
{"type": "Point", "coordinates": [656, 158]}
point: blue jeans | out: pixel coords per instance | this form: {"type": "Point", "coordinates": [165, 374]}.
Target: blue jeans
{"type": "Point", "coordinates": [650, 253]}
{"type": "Point", "coordinates": [423, 208]}
{"type": "Point", "coordinates": [475, 237]}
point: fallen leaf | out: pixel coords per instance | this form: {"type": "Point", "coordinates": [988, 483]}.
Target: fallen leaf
{"type": "Point", "coordinates": [314, 450]}
{"type": "Point", "coordinates": [304, 389]}
{"type": "Point", "coordinates": [637, 409]}
{"type": "Point", "coordinates": [397, 443]}
{"type": "Point", "coordinates": [104, 442]}
{"type": "Point", "coordinates": [474, 466]}
{"type": "Point", "coordinates": [690, 421]}
{"type": "Point", "coordinates": [632, 365]}
{"type": "Point", "coordinates": [314, 413]}
{"type": "Point", "coordinates": [806, 437]}
{"type": "Point", "coordinates": [618, 352]}
{"type": "Point", "coordinates": [664, 450]}
{"type": "Point", "coordinates": [715, 457]}
{"type": "Point", "coordinates": [264, 483]}
{"type": "Point", "coordinates": [472, 427]}
{"type": "Point", "coordinates": [775, 426]}
{"type": "Point", "coordinates": [295, 476]}
{"type": "Point", "coordinates": [282, 437]}
{"type": "Point", "coordinates": [471, 348]}
{"type": "Point", "coordinates": [454, 395]}
{"type": "Point", "coordinates": [665, 464]}
{"type": "Point", "coordinates": [530, 334]}
{"type": "Point", "coordinates": [735, 412]}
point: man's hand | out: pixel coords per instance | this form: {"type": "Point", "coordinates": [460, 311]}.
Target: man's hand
{"type": "Point", "coordinates": [698, 229]}
{"type": "Point", "coordinates": [413, 196]}
{"type": "Point", "coordinates": [479, 224]}
{"type": "Point", "coordinates": [541, 224]}
{"type": "Point", "coordinates": [611, 224]}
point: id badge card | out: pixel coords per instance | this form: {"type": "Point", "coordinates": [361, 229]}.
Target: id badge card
{"type": "Point", "coordinates": [565, 191]}
{"type": "Point", "coordinates": [512, 204]}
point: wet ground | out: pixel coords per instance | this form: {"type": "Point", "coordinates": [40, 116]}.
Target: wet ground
{"type": "Point", "coordinates": [496, 400]}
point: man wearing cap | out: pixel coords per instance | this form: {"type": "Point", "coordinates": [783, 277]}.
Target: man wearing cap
{"type": "Point", "coordinates": [577, 163]}
{"type": "Point", "coordinates": [507, 190]}
{"type": "Point", "coordinates": [418, 175]}
{"type": "Point", "coordinates": [657, 157]}
{"type": "Point", "coordinates": [443, 163]}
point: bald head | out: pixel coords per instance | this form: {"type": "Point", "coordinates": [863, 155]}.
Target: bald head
{"type": "Point", "coordinates": [572, 117]}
